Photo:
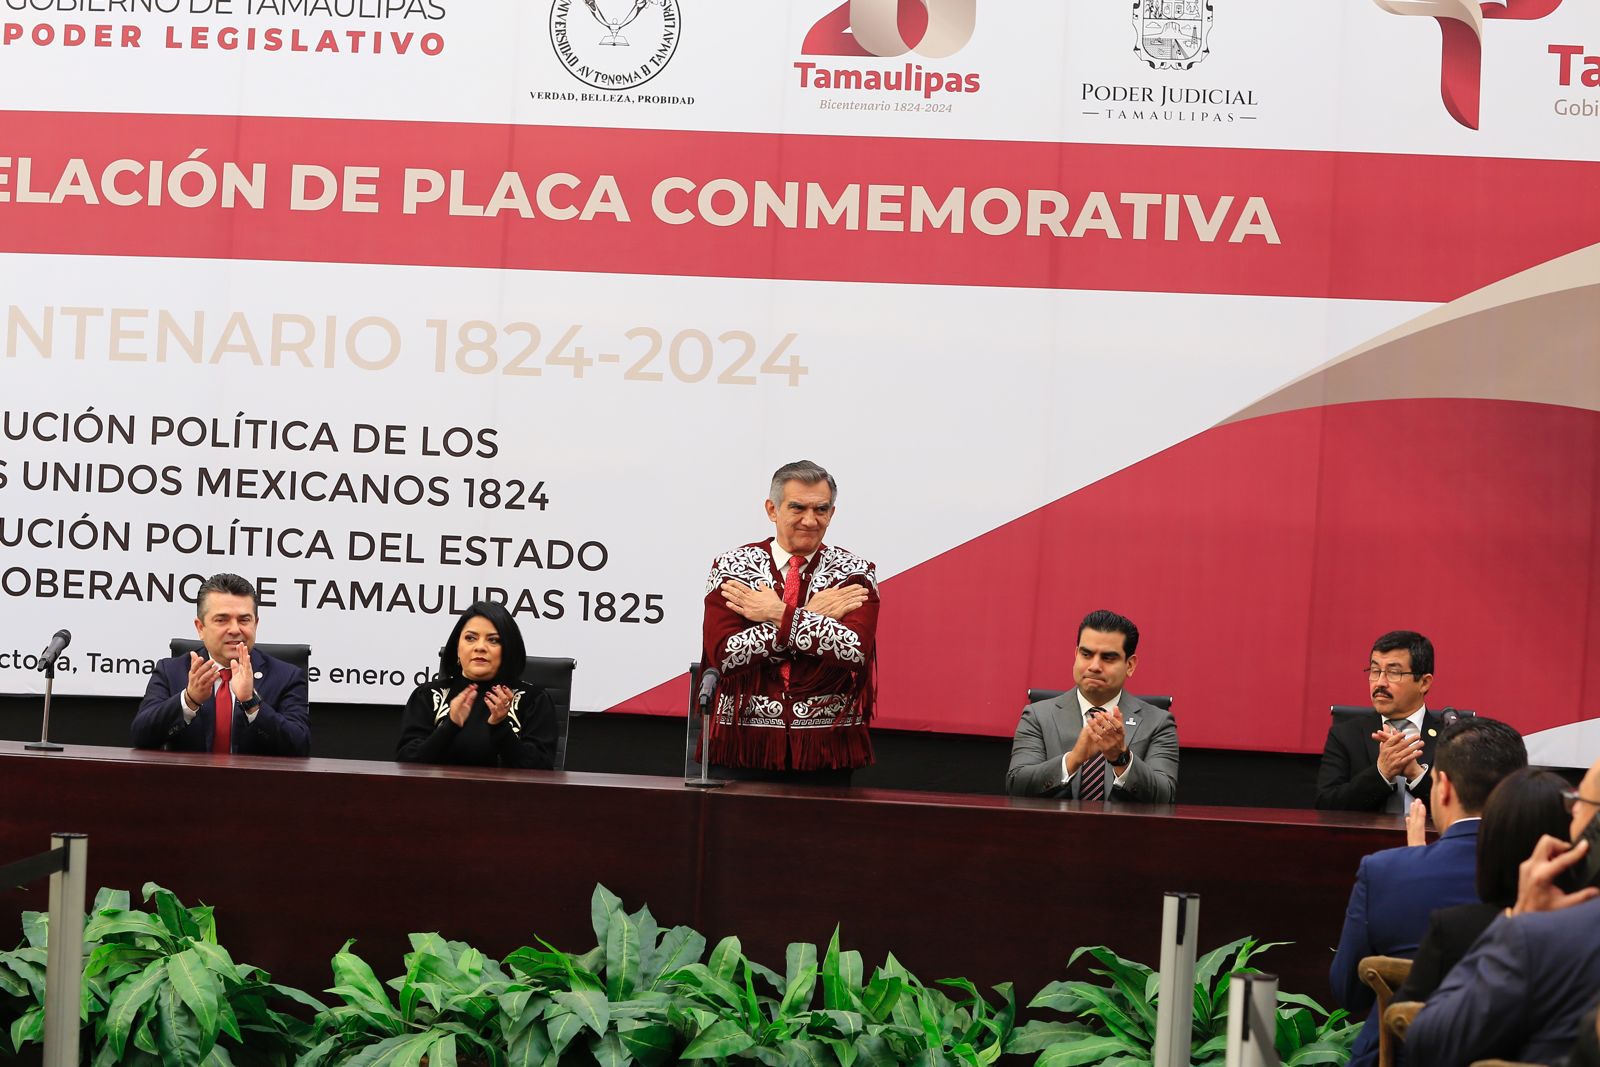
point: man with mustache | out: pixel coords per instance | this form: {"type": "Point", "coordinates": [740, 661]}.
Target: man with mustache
{"type": "Point", "coordinates": [1365, 753]}
{"type": "Point", "coordinates": [791, 623]}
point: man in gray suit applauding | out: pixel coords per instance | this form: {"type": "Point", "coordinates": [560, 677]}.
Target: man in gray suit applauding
{"type": "Point", "coordinates": [1097, 742]}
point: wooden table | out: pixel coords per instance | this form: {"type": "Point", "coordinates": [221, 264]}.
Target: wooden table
{"type": "Point", "coordinates": [298, 855]}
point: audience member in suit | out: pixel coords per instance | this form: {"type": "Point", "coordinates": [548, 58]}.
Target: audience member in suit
{"type": "Point", "coordinates": [1522, 991]}
{"type": "Point", "coordinates": [262, 700]}
{"type": "Point", "coordinates": [477, 710]}
{"type": "Point", "coordinates": [1364, 754]}
{"type": "Point", "coordinates": [1586, 1053]}
{"type": "Point", "coordinates": [1521, 810]}
{"type": "Point", "coordinates": [1097, 741]}
{"type": "Point", "coordinates": [1397, 888]}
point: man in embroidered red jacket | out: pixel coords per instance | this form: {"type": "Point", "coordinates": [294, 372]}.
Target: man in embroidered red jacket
{"type": "Point", "coordinates": [790, 622]}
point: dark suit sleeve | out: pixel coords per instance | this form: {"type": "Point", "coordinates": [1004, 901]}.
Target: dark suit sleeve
{"type": "Point", "coordinates": [1586, 1053]}
{"type": "Point", "coordinates": [160, 716]}
{"type": "Point", "coordinates": [1153, 777]}
{"type": "Point", "coordinates": [1477, 1012]}
{"type": "Point", "coordinates": [534, 745]}
{"type": "Point", "coordinates": [1355, 942]}
{"type": "Point", "coordinates": [1345, 780]}
{"type": "Point", "coordinates": [1033, 771]}
{"type": "Point", "coordinates": [283, 720]}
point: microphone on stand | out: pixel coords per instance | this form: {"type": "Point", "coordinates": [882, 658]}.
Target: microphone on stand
{"type": "Point", "coordinates": [47, 664]}
{"type": "Point", "coordinates": [702, 703]}
{"type": "Point", "coordinates": [708, 686]}
{"type": "Point", "coordinates": [58, 643]}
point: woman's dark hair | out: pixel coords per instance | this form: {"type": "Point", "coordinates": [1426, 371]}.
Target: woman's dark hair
{"type": "Point", "coordinates": [1522, 808]}
{"type": "Point", "coordinates": [513, 653]}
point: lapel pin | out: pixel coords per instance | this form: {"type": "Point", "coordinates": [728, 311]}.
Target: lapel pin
{"type": "Point", "coordinates": [1432, 732]}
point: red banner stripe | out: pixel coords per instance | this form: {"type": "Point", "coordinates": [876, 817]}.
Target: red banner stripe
{"type": "Point", "coordinates": [1350, 225]}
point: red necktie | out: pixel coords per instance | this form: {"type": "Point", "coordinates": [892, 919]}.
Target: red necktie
{"type": "Point", "coordinates": [222, 731]}
{"type": "Point", "coordinates": [791, 597]}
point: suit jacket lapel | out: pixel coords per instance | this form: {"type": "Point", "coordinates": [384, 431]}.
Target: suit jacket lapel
{"type": "Point", "coordinates": [1133, 715]}
{"type": "Point", "coordinates": [1068, 720]}
{"type": "Point", "coordinates": [1432, 723]}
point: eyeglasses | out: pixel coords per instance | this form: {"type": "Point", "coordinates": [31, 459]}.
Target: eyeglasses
{"type": "Point", "coordinates": [1571, 797]}
{"type": "Point", "coordinates": [1392, 674]}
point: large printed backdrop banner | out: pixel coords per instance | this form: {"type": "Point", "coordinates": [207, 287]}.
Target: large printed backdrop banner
{"type": "Point", "coordinates": [1271, 326]}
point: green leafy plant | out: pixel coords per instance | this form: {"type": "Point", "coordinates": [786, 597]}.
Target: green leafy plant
{"type": "Point", "coordinates": [159, 989]}
{"type": "Point", "coordinates": [1115, 1024]}
{"type": "Point", "coordinates": [450, 1004]}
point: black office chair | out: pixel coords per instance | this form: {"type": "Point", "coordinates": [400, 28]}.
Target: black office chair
{"type": "Point", "coordinates": [553, 674]}
{"type": "Point", "coordinates": [1036, 695]}
{"type": "Point", "coordinates": [1339, 711]}
{"type": "Point", "coordinates": [294, 655]}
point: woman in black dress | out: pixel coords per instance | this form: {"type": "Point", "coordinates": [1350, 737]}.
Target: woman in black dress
{"type": "Point", "coordinates": [477, 710]}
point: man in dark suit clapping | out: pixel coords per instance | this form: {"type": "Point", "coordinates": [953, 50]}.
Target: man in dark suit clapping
{"type": "Point", "coordinates": [235, 698]}
{"type": "Point", "coordinates": [1365, 754]}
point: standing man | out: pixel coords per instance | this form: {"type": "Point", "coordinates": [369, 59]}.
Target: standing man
{"type": "Point", "coordinates": [1097, 742]}
{"type": "Point", "coordinates": [1397, 889]}
{"type": "Point", "coordinates": [232, 699]}
{"type": "Point", "coordinates": [790, 623]}
{"type": "Point", "coordinates": [1365, 753]}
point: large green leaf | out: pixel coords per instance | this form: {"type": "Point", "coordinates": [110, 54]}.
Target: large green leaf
{"type": "Point", "coordinates": [726, 1038]}
{"type": "Point", "coordinates": [1130, 979]}
{"type": "Point", "coordinates": [1303, 1001]}
{"type": "Point", "coordinates": [679, 947]}
{"type": "Point", "coordinates": [589, 1005]}
{"type": "Point", "coordinates": [1102, 1004]}
{"type": "Point", "coordinates": [843, 1051]}
{"type": "Point", "coordinates": [802, 1052]}
{"type": "Point", "coordinates": [217, 961]}
{"type": "Point", "coordinates": [177, 1035]}
{"type": "Point", "coordinates": [879, 997]}
{"type": "Point", "coordinates": [622, 957]}
{"type": "Point", "coordinates": [531, 1047]}
{"type": "Point", "coordinates": [198, 989]}
{"type": "Point", "coordinates": [171, 912]}
{"type": "Point", "coordinates": [1207, 966]}
{"type": "Point", "coordinates": [843, 1024]}
{"type": "Point", "coordinates": [725, 959]}
{"type": "Point", "coordinates": [837, 994]}
{"type": "Point", "coordinates": [130, 997]}
{"type": "Point", "coordinates": [113, 923]}
{"type": "Point", "coordinates": [800, 978]}
{"type": "Point", "coordinates": [392, 1051]}
{"type": "Point", "coordinates": [603, 905]}
{"type": "Point", "coordinates": [11, 983]}
{"type": "Point", "coordinates": [36, 928]}
{"type": "Point", "coordinates": [1319, 1052]}
{"type": "Point", "coordinates": [698, 979]}
{"type": "Point", "coordinates": [873, 1050]}
{"type": "Point", "coordinates": [608, 1051]}
{"type": "Point", "coordinates": [28, 1029]}
{"type": "Point", "coordinates": [1038, 1035]}
{"type": "Point", "coordinates": [1090, 1049]}
{"type": "Point", "coordinates": [354, 981]}
{"type": "Point", "coordinates": [1060, 996]}
{"type": "Point", "coordinates": [651, 1043]}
